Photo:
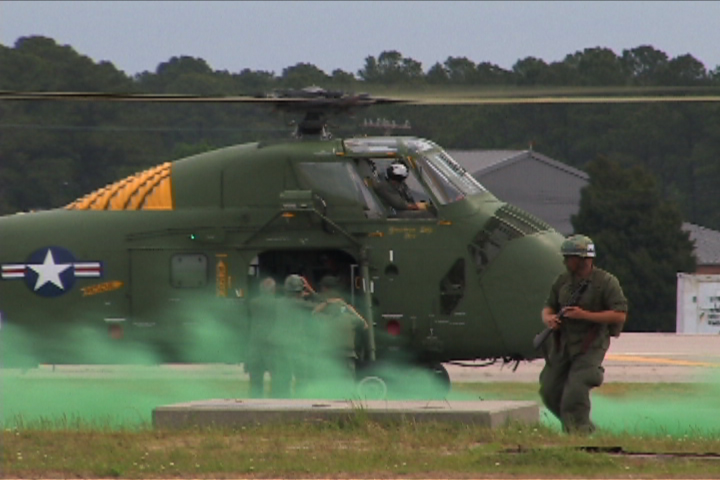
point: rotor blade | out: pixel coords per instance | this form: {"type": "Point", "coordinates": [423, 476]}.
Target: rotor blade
{"type": "Point", "coordinates": [575, 95]}
{"type": "Point", "coordinates": [342, 102]}
{"type": "Point", "coordinates": [563, 100]}
{"type": "Point", "coordinates": [95, 96]}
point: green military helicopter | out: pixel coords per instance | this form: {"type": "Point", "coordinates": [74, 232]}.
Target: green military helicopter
{"type": "Point", "coordinates": [162, 257]}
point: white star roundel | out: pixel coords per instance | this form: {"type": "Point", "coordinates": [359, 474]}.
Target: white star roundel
{"type": "Point", "coordinates": [51, 271]}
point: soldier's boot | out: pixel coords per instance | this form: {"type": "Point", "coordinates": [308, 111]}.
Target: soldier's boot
{"type": "Point", "coordinates": [256, 384]}
{"type": "Point", "coordinates": [352, 367]}
{"type": "Point", "coordinates": [281, 384]}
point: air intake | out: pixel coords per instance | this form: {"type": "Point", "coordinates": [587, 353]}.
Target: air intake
{"type": "Point", "coordinates": [508, 224]}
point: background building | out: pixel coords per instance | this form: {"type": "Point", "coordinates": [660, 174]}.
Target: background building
{"type": "Point", "coordinates": [550, 190]}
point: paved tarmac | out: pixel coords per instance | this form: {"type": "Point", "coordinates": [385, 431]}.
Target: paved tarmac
{"type": "Point", "coordinates": [633, 357]}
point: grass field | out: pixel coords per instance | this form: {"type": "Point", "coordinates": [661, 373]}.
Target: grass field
{"type": "Point", "coordinates": [354, 447]}
{"type": "Point", "coordinates": [82, 426]}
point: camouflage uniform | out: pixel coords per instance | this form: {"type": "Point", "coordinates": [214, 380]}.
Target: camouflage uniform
{"type": "Point", "coordinates": [262, 350]}
{"type": "Point", "coordinates": [297, 331]}
{"type": "Point", "coordinates": [398, 197]}
{"type": "Point", "coordinates": [338, 327]}
{"type": "Point", "coordinates": [575, 352]}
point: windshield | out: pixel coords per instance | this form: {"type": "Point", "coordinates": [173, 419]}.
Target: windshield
{"type": "Point", "coordinates": [449, 181]}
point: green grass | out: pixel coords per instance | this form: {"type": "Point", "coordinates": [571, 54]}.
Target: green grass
{"type": "Point", "coordinates": [341, 448]}
{"type": "Point", "coordinates": [100, 427]}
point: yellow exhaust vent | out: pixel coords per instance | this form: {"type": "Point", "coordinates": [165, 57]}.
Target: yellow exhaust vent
{"type": "Point", "coordinates": [147, 190]}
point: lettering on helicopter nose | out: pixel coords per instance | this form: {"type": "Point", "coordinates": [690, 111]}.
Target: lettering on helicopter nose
{"type": "Point", "coordinates": [409, 233]}
{"type": "Point", "coordinates": [51, 271]}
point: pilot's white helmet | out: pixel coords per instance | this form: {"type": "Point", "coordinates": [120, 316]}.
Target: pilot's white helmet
{"type": "Point", "coordinates": [397, 171]}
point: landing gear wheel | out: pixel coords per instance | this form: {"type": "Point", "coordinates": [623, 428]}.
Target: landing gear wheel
{"type": "Point", "coordinates": [372, 388]}
{"type": "Point", "coordinates": [441, 377]}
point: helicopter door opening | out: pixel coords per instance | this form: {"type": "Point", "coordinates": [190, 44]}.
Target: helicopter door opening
{"type": "Point", "coordinates": [311, 264]}
{"type": "Point", "coordinates": [314, 265]}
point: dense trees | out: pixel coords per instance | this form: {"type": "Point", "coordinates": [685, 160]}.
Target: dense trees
{"type": "Point", "coordinates": [54, 152]}
{"type": "Point", "coordinates": [90, 144]}
{"type": "Point", "coordinates": [638, 237]}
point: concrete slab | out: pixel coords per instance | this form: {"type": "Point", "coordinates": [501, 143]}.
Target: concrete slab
{"type": "Point", "coordinates": [231, 413]}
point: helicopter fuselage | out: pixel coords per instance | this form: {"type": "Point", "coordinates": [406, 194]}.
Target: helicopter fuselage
{"type": "Point", "coordinates": [165, 262]}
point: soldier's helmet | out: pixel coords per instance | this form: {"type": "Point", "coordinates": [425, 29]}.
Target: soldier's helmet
{"type": "Point", "coordinates": [397, 171]}
{"type": "Point", "coordinates": [267, 286]}
{"type": "Point", "coordinates": [294, 283]}
{"type": "Point", "coordinates": [329, 281]}
{"type": "Point", "coordinates": [578, 246]}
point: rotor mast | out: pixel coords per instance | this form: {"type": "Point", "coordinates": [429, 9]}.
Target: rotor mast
{"type": "Point", "coordinates": [317, 104]}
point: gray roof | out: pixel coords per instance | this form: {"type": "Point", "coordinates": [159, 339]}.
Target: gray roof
{"type": "Point", "coordinates": [481, 162]}
{"type": "Point", "coordinates": [484, 161]}
{"type": "Point", "coordinates": [707, 243]}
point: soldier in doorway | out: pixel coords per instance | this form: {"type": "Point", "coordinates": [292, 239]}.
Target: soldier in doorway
{"type": "Point", "coordinates": [339, 324]}
{"type": "Point", "coordinates": [261, 347]}
{"type": "Point", "coordinates": [297, 332]}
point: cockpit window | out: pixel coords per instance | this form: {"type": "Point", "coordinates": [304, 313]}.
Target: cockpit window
{"type": "Point", "coordinates": [340, 183]}
{"type": "Point", "coordinates": [443, 176]}
{"type": "Point", "coordinates": [441, 187]}
{"type": "Point", "coordinates": [450, 171]}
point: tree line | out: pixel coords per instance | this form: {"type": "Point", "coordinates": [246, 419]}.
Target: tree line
{"type": "Point", "coordinates": [54, 152]}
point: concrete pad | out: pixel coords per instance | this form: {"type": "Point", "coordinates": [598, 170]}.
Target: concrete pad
{"type": "Point", "coordinates": [231, 413]}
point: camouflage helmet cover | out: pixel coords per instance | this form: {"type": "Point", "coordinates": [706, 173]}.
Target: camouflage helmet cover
{"type": "Point", "coordinates": [329, 281]}
{"type": "Point", "coordinates": [579, 246]}
{"type": "Point", "coordinates": [267, 286]}
{"type": "Point", "coordinates": [294, 283]}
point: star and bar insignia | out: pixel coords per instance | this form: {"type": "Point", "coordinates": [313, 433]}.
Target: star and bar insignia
{"type": "Point", "coordinates": [51, 271]}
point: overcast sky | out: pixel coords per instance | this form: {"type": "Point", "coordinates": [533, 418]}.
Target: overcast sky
{"type": "Point", "coordinates": [137, 36]}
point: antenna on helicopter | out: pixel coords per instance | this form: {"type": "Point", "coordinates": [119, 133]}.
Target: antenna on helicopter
{"type": "Point", "coordinates": [387, 126]}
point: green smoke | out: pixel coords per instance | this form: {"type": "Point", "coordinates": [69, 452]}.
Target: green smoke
{"type": "Point", "coordinates": [672, 410]}
{"type": "Point", "coordinates": [118, 382]}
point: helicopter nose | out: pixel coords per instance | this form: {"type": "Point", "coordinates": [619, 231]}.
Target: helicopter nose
{"type": "Point", "coordinates": [517, 284]}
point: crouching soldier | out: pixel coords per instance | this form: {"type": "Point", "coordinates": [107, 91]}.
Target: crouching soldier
{"type": "Point", "coordinates": [338, 325]}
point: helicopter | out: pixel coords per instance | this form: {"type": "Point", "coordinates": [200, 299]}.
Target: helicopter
{"type": "Point", "coordinates": [153, 258]}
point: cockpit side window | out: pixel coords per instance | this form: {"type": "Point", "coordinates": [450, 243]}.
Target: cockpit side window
{"type": "Point", "coordinates": [416, 189]}
{"type": "Point", "coordinates": [338, 183]}
{"type": "Point", "coordinates": [407, 199]}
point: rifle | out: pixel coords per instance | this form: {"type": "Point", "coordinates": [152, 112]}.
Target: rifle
{"type": "Point", "coordinates": [574, 299]}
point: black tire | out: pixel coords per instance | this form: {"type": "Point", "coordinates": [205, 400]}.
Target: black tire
{"type": "Point", "coordinates": [385, 380]}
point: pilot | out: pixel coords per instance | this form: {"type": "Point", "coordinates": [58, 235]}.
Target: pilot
{"type": "Point", "coordinates": [394, 191]}
{"type": "Point", "coordinates": [585, 307]}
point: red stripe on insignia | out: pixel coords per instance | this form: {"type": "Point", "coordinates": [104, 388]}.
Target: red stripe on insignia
{"type": "Point", "coordinates": [88, 269]}
{"type": "Point", "coordinates": [10, 272]}
{"type": "Point", "coordinates": [13, 269]}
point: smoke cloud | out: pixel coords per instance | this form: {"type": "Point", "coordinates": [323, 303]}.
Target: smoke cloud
{"type": "Point", "coordinates": [117, 382]}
